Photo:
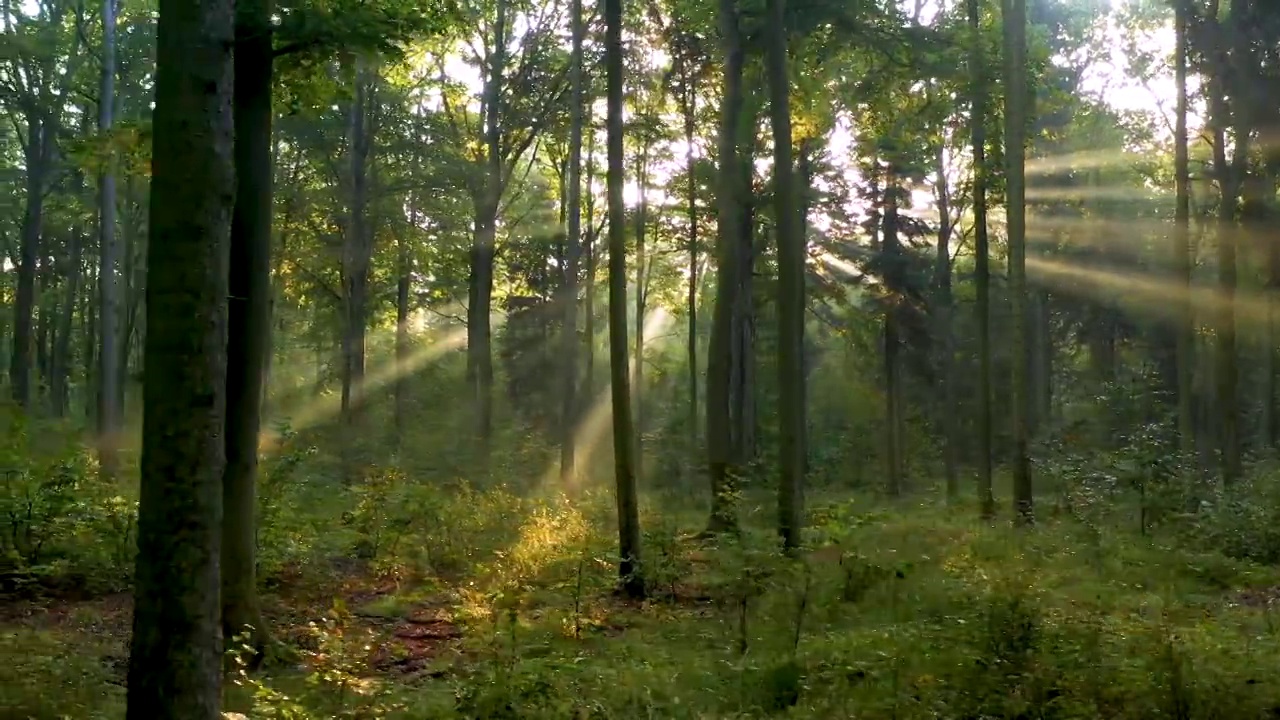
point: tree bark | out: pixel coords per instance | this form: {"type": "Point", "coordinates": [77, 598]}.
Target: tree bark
{"type": "Point", "coordinates": [982, 267]}
{"type": "Point", "coordinates": [944, 336]}
{"type": "Point", "coordinates": [39, 154]}
{"type": "Point", "coordinates": [1015, 44]}
{"type": "Point", "coordinates": [249, 320]}
{"type": "Point", "coordinates": [720, 445]}
{"type": "Point", "coordinates": [629, 568]}
{"type": "Point", "coordinates": [1185, 323]}
{"type": "Point", "coordinates": [573, 251]}
{"type": "Point", "coordinates": [60, 388]}
{"type": "Point", "coordinates": [175, 659]}
{"type": "Point", "coordinates": [688, 109]}
{"type": "Point", "coordinates": [791, 262]}
{"type": "Point", "coordinates": [110, 388]}
{"type": "Point", "coordinates": [891, 252]}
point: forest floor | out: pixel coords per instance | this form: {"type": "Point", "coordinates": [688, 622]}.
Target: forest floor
{"type": "Point", "coordinates": [507, 611]}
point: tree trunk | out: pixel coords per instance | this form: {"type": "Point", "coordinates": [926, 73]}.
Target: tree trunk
{"type": "Point", "coordinates": [40, 141]}
{"type": "Point", "coordinates": [892, 254]}
{"type": "Point", "coordinates": [1015, 44]}
{"type": "Point", "coordinates": [720, 445]}
{"type": "Point", "coordinates": [629, 568]}
{"type": "Point", "coordinates": [480, 288]}
{"type": "Point", "coordinates": [742, 391]}
{"type": "Point", "coordinates": [1185, 323]}
{"type": "Point", "coordinates": [175, 659]}
{"type": "Point", "coordinates": [688, 109]}
{"type": "Point", "coordinates": [249, 320]}
{"type": "Point", "coordinates": [569, 292]}
{"type": "Point", "coordinates": [110, 409]}
{"type": "Point", "coordinates": [356, 253]}
{"type": "Point", "coordinates": [589, 289]}
{"type": "Point", "coordinates": [791, 262]}
{"type": "Point", "coordinates": [403, 285]}
{"type": "Point", "coordinates": [982, 266]}
{"type": "Point", "coordinates": [60, 390]}
{"type": "Point", "coordinates": [642, 212]}
{"type": "Point", "coordinates": [943, 334]}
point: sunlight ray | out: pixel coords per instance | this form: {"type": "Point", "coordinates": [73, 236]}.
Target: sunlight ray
{"type": "Point", "coordinates": [328, 405]}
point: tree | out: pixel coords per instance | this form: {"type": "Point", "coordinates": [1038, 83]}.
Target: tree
{"type": "Point", "coordinates": [720, 445]}
{"type": "Point", "coordinates": [629, 568]}
{"type": "Point", "coordinates": [248, 318]}
{"type": "Point", "coordinates": [175, 659]}
{"type": "Point", "coordinates": [981, 247]}
{"type": "Point", "coordinates": [1015, 117]}
{"type": "Point", "coordinates": [109, 391]}
{"type": "Point", "coordinates": [791, 260]}
{"type": "Point", "coordinates": [569, 349]}
{"type": "Point", "coordinates": [1184, 328]}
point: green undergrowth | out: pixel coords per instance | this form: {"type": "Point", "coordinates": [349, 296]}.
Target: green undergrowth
{"type": "Point", "coordinates": [424, 601]}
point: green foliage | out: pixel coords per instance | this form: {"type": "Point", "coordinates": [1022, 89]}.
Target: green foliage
{"type": "Point", "coordinates": [63, 526]}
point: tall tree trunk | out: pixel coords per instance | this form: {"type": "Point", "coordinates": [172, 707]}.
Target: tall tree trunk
{"type": "Point", "coordinates": [175, 659]}
{"type": "Point", "coordinates": [403, 285]}
{"type": "Point", "coordinates": [742, 391]}
{"type": "Point", "coordinates": [60, 389]}
{"type": "Point", "coordinates": [249, 320]}
{"type": "Point", "coordinates": [110, 389]}
{"type": "Point", "coordinates": [688, 109]}
{"type": "Point", "coordinates": [1229, 187]}
{"type": "Point", "coordinates": [1015, 44]}
{"type": "Point", "coordinates": [942, 331]}
{"type": "Point", "coordinates": [589, 288]}
{"type": "Point", "coordinates": [479, 325]}
{"type": "Point", "coordinates": [629, 568]}
{"type": "Point", "coordinates": [982, 263]}
{"type": "Point", "coordinates": [791, 262]}
{"type": "Point", "coordinates": [720, 445]}
{"type": "Point", "coordinates": [39, 151]}
{"type": "Point", "coordinates": [642, 213]}
{"type": "Point", "coordinates": [894, 279]}
{"type": "Point", "coordinates": [1185, 322]}
{"type": "Point", "coordinates": [569, 292]}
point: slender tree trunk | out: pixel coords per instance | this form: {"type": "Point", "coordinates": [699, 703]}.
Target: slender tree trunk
{"type": "Point", "coordinates": [38, 154]}
{"type": "Point", "coordinates": [1185, 322]}
{"type": "Point", "coordinates": [629, 569]}
{"type": "Point", "coordinates": [60, 389]}
{"type": "Point", "coordinates": [249, 321]}
{"type": "Point", "coordinates": [982, 267]}
{"type": "Point", "coordinates": [175, 659]}
{"type": "Point", "coordinates": [569, 334]}
{"type": "Point", "coordinates": [720, 444]}
{"type": "Point", "coordinates": [356, 251]}
{"type": "Point", "coordinates": [637, 390]}
{"type": "Point", "coordinates": [688, 108]}
{"type": "Point", "coordinates": [791, 262]}
{"type": "Point", "coordinates": [947, 414]}
{"type": "Point", "coordinates": [1015, 43]}
{"type": "Point", "coordinates": [403, 285]}
{"type": "Point", "coordinates": [891, 253]}
{"type": "Point", "coordinates": [589, 289]}
{"type": "Point", "coordinates": [110, 409]}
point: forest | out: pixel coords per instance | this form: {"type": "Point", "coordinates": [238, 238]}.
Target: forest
{"type": "Point", "coordinates": [485, 359]}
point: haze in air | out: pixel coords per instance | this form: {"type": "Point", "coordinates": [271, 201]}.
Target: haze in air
{"type": "Point", "coordinates": [672, 359]}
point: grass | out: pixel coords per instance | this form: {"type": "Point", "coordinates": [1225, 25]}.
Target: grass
{"type": "Point", "coordinates": [488, 604]}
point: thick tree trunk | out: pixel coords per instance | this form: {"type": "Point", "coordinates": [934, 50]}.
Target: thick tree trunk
{"type": "Point", "coordinates": [982, 266]}
{"type": "Point", "coordinates": [480, 287]}
{"type": "Point", "coordinates": [249, 320]}
{"type": "Point", "coordinates": [791, 262]}
{"type": "Point", "coordinates": [629, 568]}
{"type": "Point", "coordinates": [175, 659]}
{"type": "Point", "coordinates": [357, 253]}
{"type": "Point", "coordinates": [720, 443]}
